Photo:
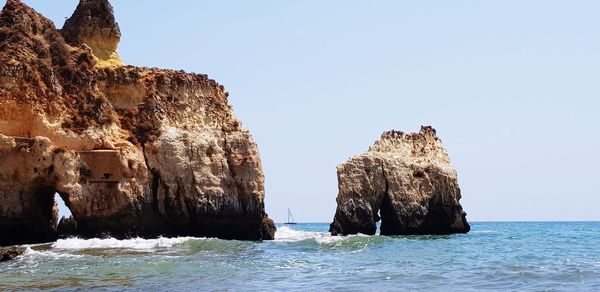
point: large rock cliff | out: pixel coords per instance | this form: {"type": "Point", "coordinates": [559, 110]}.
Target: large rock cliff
{"type": "Point", "coordinates": [404, 180]}
{"type": "Point", "coordinates": [132, 151]}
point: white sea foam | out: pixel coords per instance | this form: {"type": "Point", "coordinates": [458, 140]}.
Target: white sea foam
{"type": "Point", "coordinates": [31, 253]}
{"type": "Point", "coordinates": [287, 234]}
{"type": "Point", "coordinates": [112, 243]}
{"type": "Point", "coordinates": [284, 233]}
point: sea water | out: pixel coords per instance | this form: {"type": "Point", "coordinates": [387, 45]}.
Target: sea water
{"type": "Point", "coordinates": [533, 256]}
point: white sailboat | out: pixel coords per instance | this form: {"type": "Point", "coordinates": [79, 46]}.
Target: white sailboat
{"type": "Point", "coordinates": [290, 219]}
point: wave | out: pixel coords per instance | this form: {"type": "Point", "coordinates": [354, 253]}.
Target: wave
{"type": "Point", "coordinates": [286, 234]}
{"type": "Point", "coordinates": [325, 239]}
{"type": "Point", "coordinates": [32, 253]}
{"type": "Point", "coordinates": [113, 243]}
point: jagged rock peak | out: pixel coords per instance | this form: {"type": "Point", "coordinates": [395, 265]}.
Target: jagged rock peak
{"type": "Point", "coordinates": [424, 144]}
{"type": "Point", "coordinates": [18, 17]}
{"type": "Point", "coordinates": [426, 132]}
{"type": "Point", "coordinates": [10, 4]}
{"type": "Point", "coordinates": [93, 24]}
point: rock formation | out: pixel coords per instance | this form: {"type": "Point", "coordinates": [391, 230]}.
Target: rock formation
{"type": "Point", "coordinates": [132, 151]}
{"type": "Point", "coordinates": [404, 180]}
{"type": "Point", "coordinates": [93, 24]}
{"type": "Point", "coordinates": [9, 253]}
{"type": "Point", "coordinates": [67, 227]}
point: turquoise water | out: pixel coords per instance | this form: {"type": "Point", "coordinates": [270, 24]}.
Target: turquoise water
{"type": "Point", "coordinates": [493, 256]}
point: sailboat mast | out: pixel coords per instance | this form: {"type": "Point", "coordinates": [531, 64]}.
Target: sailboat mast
{"type": "Point", "coordinates": [290, 217]}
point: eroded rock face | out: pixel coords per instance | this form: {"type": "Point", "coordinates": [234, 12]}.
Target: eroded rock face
{"type": "Point", "coordinates": [94, 25]}
{"type": "Point", "coordinates": [9, 253]}
{"type": "Point", "coordinates": [132, 151]}
{"type": "Point", "coordinates": [67, 227]}
{"type": "Point", "coordinates": [404, 180]}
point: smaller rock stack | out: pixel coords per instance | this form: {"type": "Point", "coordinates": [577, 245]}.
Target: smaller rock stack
{"type": "Point", "coordinates": [404, 180]}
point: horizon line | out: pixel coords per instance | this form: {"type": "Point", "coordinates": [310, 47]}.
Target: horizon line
{"type": "Point", "coordinates": [477, 221]}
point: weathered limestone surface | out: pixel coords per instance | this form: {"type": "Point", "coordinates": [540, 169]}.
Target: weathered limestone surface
{"type": "Point", "coordinates": [404, 180]}
{"type": "Point", "coordinates": [132, 151]}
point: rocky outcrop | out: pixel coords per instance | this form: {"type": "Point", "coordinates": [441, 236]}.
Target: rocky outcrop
{"type": "Point", "coordinates": [404, 180]}
{"type": "Point", "coordinates": [93, 25]}
{"type": "Point", "coordinates": [132, 151]}
{"type": "Point", "coordinates": [9, 253]}
{"type": "Point", "coordinates": [67, 227]}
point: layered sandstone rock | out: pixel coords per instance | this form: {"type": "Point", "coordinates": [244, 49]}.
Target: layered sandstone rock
{"type": "Point", "coordinates": [404, 180]}
{"type": "Point", "coordinates": [132, 151]}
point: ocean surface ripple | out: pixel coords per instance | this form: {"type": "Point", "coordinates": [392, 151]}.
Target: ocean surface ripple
{"type": "Point", "coordinates": [534, 256]}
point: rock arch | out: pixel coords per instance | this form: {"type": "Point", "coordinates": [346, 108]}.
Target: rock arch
{"type": "Point", "coordinates": [39, 225]}
{"type": "Point", "coordinates": [28, 212]}
{"type": "Point", "coordinates": [405, 180]}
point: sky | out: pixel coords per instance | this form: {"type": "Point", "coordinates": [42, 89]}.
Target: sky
{"type": "Point", "coordinates": [511, 86]}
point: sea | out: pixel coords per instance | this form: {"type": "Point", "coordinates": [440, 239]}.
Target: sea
{"type": "Point", "coordinates": [494, 256]}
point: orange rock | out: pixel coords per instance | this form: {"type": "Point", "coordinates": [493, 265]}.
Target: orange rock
{"type": "Point", "coordinates": [132, 151]}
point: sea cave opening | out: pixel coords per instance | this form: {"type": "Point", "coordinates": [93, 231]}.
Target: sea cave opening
{"type": "Point", "coordinates": [63, 209]}
{"type": "Point", "coordinates": [390, 224]}
{"type": "Point", "coordinates": [66, 225]}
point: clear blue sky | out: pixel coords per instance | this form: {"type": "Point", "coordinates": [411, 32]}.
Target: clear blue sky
{"type": "Point", "coordinates": [513, 88]}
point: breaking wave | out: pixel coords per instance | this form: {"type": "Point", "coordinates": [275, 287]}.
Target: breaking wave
{"type": "Point", "coordinates": [31, 253]}
{"type": "Point", "coordinates": [112, 243]}
{"type": "Point", "coordinates": [286, 234]}
{"type": "Point", "coordinates": [63, 247]}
